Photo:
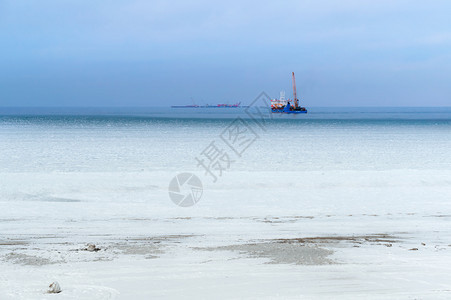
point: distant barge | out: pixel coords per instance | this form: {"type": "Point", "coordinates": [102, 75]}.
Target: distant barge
{"type": "Point", "coordinates": [236, 105]}
{"type": "Point", "coordinates": [284, 106]}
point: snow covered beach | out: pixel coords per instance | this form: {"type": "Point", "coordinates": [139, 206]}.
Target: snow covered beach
{"type": "Point", "coordinates": [354, 208]}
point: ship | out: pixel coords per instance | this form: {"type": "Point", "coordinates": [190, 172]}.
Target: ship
{"type": "Point", "coordinates": [221, 105]}
{"type": "Point", "coordinates": [185, 106]}
{"type": "Point", "coordinates": [282, 105]}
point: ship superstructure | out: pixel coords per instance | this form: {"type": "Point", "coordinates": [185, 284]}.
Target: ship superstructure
{"type": "Point", "coordinates": [282, 105]}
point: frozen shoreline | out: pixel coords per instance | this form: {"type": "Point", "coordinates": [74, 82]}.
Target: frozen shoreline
{"type": "Point", "coordinates": [190, 266]}
{"type": "Point", "coordinates": [232, 247]}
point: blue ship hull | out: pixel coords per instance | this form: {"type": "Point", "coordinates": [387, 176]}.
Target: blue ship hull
{"type": "Point", "coordinates": [281, 111]}
{"type": "Point", "coordinates": [287, 110]}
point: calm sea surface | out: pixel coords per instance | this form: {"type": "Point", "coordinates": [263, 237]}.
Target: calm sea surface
{"type": "Point", "coordinates": [168, 139]}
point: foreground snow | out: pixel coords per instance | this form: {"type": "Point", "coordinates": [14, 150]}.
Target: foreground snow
{"type": "Point", "coordinates": [341, 234]}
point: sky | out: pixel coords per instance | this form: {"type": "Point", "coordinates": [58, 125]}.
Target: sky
{"type": "Point", "coordinates": [160, 53]}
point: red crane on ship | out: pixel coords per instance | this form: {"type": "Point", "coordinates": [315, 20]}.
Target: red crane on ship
{"type": "Point", "coordinates": [296, 101]}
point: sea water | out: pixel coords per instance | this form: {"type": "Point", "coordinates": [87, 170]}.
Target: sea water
{"type": "Point", "coordinates": [109, 155]}
{"type": "Point", "coordinates": [118, 140]}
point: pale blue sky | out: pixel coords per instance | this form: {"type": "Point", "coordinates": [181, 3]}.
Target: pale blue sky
{"type": "Point", "coordinates": [146, 53]}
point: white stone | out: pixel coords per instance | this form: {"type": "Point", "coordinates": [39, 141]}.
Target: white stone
{"type": "Point", "coordinates": [54, 288]}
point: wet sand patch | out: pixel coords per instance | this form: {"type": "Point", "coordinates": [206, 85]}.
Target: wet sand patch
{"type": "Point", "coordinates": [150, 247]}
{"type": "Point", "coordinates": [281, 253]}
{"type": "Point", "coordinates": [25, 259]}
{"type": "Point", "coordinates": [359, 239]}
{"type": "Point", "coordinates": [302, 251]}
{"type": "Point", "coordinates": [146, 249]}
{"type": "Point", "coordinates": [13, 243]}
{"type": "Point", "coordinates": [161, 238]}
